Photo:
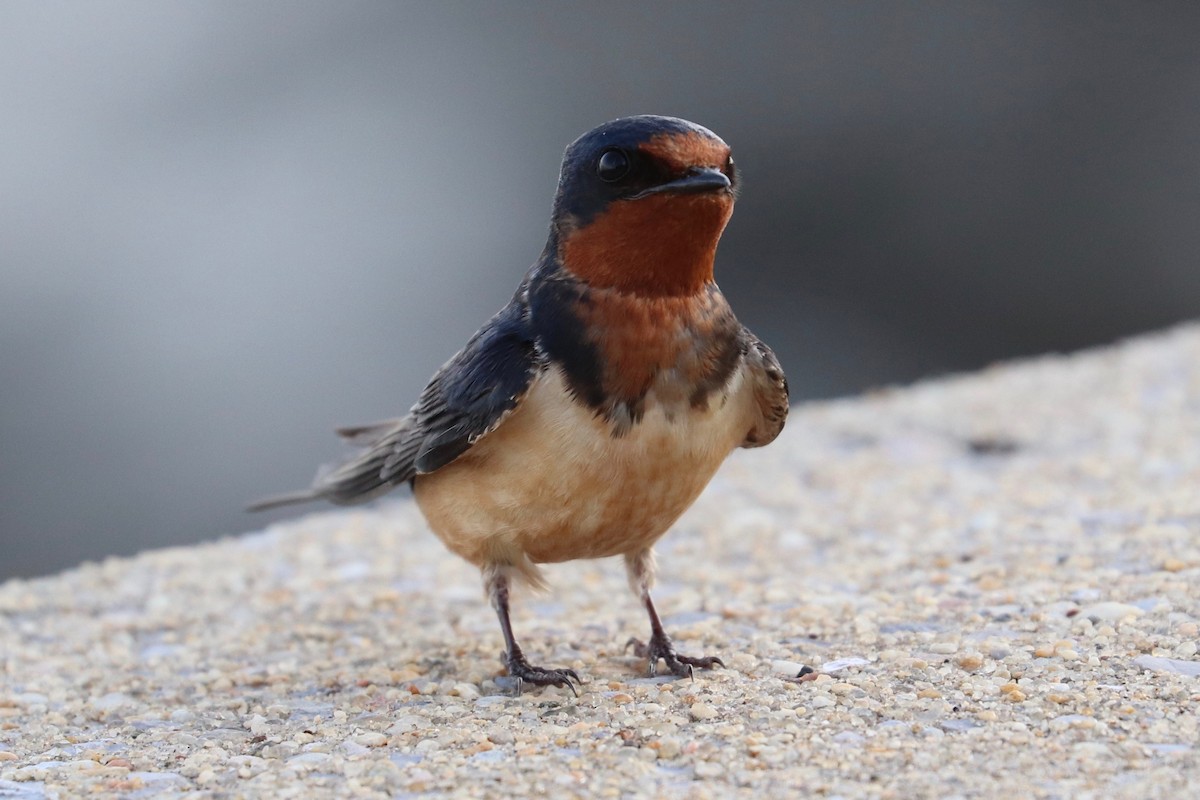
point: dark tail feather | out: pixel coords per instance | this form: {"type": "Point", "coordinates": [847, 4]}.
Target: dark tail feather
{"type": "Point", "coordinates": [288, 499]}
{"type": "Point", "coordinates": [361, 477]}
{"type": "Point", "coordinates": [367, 435]}
{"type": "Point", "coordinates": [355, 481]}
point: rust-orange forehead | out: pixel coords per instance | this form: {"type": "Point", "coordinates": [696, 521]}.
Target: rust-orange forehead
{"type": "Point", "coordinates": [679, 151]}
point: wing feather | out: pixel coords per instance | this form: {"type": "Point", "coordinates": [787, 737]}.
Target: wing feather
{"type": "Point", "coordinates": [465, 400]}
{"type": "Point", "coordinates": [770, 391]}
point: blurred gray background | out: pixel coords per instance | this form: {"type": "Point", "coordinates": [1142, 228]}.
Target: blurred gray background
{"type": "Point", "coordinates": [226, 227]}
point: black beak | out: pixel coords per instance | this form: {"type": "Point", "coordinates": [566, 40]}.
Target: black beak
{"type": "Point", "coordinates": [696, 181]}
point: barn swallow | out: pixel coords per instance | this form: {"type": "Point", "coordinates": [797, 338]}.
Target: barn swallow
{"type": "Point", "coordinates": [589, 413]}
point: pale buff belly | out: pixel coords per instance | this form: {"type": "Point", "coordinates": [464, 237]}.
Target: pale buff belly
{"type": "Point", "coordinates": [553, 484]}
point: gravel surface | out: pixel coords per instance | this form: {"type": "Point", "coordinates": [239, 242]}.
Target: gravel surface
{"type": "Point", "coordinates": [995, 577]}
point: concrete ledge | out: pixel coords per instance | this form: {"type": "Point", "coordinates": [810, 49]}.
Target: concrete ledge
{"type": "Point", "coordinates": [997, 578]}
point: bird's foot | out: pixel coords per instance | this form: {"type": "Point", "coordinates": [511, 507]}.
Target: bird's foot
{"type": "Point", "coordinates": [661, 647]}
{"type": "Point", "coordinates": [523, 672]}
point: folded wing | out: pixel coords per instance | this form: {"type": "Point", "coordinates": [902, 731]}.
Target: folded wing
{"type": "Point", "coordinates": [467, 399]}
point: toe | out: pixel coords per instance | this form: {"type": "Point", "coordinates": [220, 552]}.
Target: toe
{"type": "Point", "coordinates": [538, 676]}
{"type": "Point", "coordinates": [704, 662]}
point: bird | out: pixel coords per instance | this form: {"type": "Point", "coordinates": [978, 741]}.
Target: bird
{"type": "Point", "coordinates": [588, 414]}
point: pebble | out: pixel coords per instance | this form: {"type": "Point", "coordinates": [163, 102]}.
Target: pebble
{"type": "Point", "coordinates": [111, 701]}
{"type": "Point", "coordinates": [352, 748]}
{"type": "Point", "coordinates": [1012, 693]}
{"type": "Point", "coordinates": [467, 691]}
{"type": "Point", "coordinates": [669, 747]}
{"type": "Point", "coordinates": [407, 723]}
{"type": "Point", "coordinates": [1111, 611]}
{"type": "Point", "coordinates": [308, 759]}
{"type": "Point", "coordinates": [843, 663]}
{"type": "Point", "coordinates": [371, 739]}
{"type": "Point", "coordinates": [500, 735]}
{"type": "Point", "coordinates": [970, 661]}
{"type": "Point", "coordinates": [789, 668]}
{"type": "Point", "coordinates": [1175, 665]}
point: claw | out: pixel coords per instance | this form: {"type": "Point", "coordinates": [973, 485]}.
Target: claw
{"type": "Point", "coordinates": [524, 672]}
{"type": "Point", "coordinates": [662, 648]}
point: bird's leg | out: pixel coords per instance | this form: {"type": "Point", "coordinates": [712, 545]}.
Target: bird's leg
{"type": "Point", "coordinates": [497, 580]}
{"type": "Point", "coordinates": [641, 567]}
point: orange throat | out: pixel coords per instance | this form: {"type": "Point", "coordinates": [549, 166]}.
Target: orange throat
{"type": "Point", "coordinates": [661, 245]}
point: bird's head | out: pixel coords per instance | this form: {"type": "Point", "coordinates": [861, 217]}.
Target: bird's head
{"type": "Point", "coordinates": [641, 204]}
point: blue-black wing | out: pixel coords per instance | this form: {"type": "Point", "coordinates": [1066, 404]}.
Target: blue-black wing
{"type": "Point", "coordinates": [470, 396]}
{"type": "Point", "coordinates": [464, 401]}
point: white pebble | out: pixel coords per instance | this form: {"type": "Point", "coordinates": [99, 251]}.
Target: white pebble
{"type": "Point", "coordinates": [371, 739]}
{"type": "Point", "coordinates": [467, 691]}
{"type": "Point", "coordinates": [1176, 665]}
{"type": "Point", "coordinates": [788, 668]}
{"type": "Point", "coordinates": [844, 663]}
{"type": "Point", "coordinates": [1111, 611]}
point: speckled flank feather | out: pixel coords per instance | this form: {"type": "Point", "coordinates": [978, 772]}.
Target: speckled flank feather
{"type": "Point", "coordinates": [770, 389]}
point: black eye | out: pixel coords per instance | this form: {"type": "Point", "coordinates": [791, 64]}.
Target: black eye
{"type": "Point", "coordinates": [612, 166]}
